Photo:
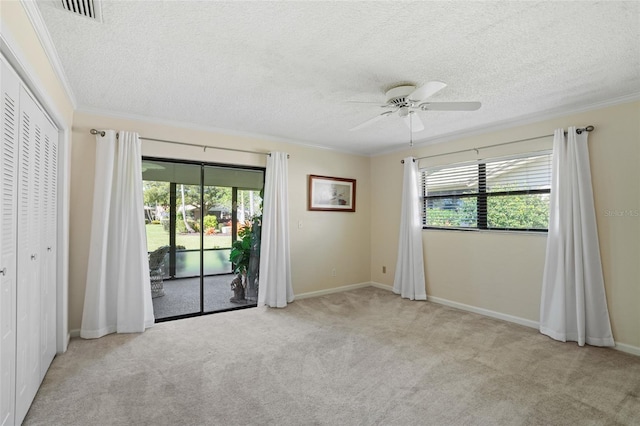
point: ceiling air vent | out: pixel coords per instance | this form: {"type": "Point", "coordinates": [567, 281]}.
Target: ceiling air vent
{"type": "Point", "coordinates": [87, 8]}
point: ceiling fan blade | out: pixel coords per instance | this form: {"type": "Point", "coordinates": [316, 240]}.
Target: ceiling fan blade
{"type": "Point", "coordinates": [371, 121]}
{"type": "Point", "coordinates": [450, 106]}
{"type": "Point", "coordinates": [363, 102]}
{"type": "Point", "coordinates": [428, 89]}
{"type": "Point", "coordinates": [413, 122]}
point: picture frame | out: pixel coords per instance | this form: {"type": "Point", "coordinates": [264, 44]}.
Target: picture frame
{"type": "Point", "coordinates": [331, 194]}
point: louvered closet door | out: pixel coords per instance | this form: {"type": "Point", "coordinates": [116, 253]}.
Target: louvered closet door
{"type": "Point", "coordinates": [48, 246]}
{"type": "Point", "coordinates": [28, 288]}
{"type": "Point", "coordinates": [9, 122]}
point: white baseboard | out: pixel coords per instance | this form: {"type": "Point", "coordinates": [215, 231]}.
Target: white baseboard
{"type": "Point", "coordinates": [332, 290]}
{"type": "Point", "coordinates": [485, 312]}
{"type": "Point", "coordinates": [469, 308]}
{"type": "Point", "coordinates": [382, 286]}
{"type": "Point", "coordinates": [622, 347]}
{"type": "Point", "coordinates": [633, 350]}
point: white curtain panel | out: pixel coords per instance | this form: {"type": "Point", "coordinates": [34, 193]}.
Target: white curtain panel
{"type": "Point", "coordinates": [573, 305]}
{"type": "Point", "coordinates": [274, 287]}
{"type": "Point", "coordinates": [409, 279]}
{"type": "Point", "coordinates": [118, 288]}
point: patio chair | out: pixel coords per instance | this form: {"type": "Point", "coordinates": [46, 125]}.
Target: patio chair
{"type": "Point", "coordinates": [156, 270]}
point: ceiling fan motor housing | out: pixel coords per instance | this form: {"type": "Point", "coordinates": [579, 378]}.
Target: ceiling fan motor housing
{"type": "Point", "coordinates": [398, 96]}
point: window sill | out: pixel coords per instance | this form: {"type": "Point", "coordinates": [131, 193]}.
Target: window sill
{"type": "Point", "coordinates": [491, 231]}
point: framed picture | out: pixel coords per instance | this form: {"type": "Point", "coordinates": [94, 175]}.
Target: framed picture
{"type": "Point", "coordinates": [331, 194]}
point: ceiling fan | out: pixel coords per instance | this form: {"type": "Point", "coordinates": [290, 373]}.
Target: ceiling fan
{"type": "Point", "coordinates": [405, 100]}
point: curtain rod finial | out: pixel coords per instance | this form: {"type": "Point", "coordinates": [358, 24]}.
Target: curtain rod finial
{"type": "Point", "coordinates": [585, 129]}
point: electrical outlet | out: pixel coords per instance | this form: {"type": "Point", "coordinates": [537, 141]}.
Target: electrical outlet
{"type": "Point", "coordinates": [333, 272]}
{"type": "Point", "coordinates": [299, 224]}
{"type": "Point", "coordinates": [384, 269]}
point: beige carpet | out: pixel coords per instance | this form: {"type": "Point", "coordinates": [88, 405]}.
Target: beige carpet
{"type": "Point", "coordinates": [355, 358]}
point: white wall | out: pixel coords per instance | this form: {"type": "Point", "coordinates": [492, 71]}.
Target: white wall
{"type": "Point", "coordinates": [326, 241]}
{"type": "Point", "coordinates": [23, 41]}
{"type": "Point", "coordinates": [503, 272]}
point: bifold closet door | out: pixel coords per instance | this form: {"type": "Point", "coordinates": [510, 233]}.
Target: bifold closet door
{"type": "Point", "coordinates": [28, 232]}
{"type": "Point", "coordinates": [29, 255]}
{"type": "Point", "coordinates": [9, 124]}
{"type": "Point", "coordinates": [49, 172]}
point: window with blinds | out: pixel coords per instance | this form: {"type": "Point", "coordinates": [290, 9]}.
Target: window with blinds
{"type": "Point", "coordinates": [509, 193]}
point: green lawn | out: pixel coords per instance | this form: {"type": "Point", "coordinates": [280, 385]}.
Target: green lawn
{"type": "Point", "coordinates": [157, 237]}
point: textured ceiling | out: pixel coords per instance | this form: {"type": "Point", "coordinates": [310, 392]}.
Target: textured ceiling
{"type": "Point", "coordinates": [286, 70]}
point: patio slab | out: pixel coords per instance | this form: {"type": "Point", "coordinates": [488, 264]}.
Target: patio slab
{"type": "Point", "coordinates": [182, 296]}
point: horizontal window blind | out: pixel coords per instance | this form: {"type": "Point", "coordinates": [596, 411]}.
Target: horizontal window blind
{"type": "Point", "coordinates": [510, 193]}
{"type": "Point", "coordinates": [519, 174]}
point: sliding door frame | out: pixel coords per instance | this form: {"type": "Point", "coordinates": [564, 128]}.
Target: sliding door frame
{"type": "Point", "coordinates": [172, 227]}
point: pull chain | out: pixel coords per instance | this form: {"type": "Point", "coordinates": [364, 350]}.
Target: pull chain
{"type": "Point", "coordinates": [410, 130]}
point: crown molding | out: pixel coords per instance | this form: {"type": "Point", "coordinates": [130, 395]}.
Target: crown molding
{"type": "Point", "coordinates": [34, 15]}
{"type": "Point", "coordinates": [10, 51]}
{"type": "Point", "coordinates": [210, 129]}
{"type": "Point", "coordinates": [475, 131]}
{"type": "Point", "coordinates": [515, 122]}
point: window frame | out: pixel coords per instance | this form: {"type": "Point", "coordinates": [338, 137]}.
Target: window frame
{"type": "Point", "coordinates": [482, 196]}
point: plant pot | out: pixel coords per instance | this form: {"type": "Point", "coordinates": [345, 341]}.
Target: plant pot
{"type": "Point", "coordinates": [238, 286]}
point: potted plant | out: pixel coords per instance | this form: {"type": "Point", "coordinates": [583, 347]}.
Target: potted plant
{"type": "Point", "coordinates": [239, 257]}
{"type": "Point", "coordinates": [245, 264]}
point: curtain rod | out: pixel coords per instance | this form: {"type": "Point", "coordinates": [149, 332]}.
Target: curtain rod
{"type": "Point", "coordinates": [102, 133]}
{"type": "Point", "coordinates": [578, 131]}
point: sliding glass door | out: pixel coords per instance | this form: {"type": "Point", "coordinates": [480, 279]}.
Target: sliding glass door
{"type": "Point", "coordinates": [195, 212]}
